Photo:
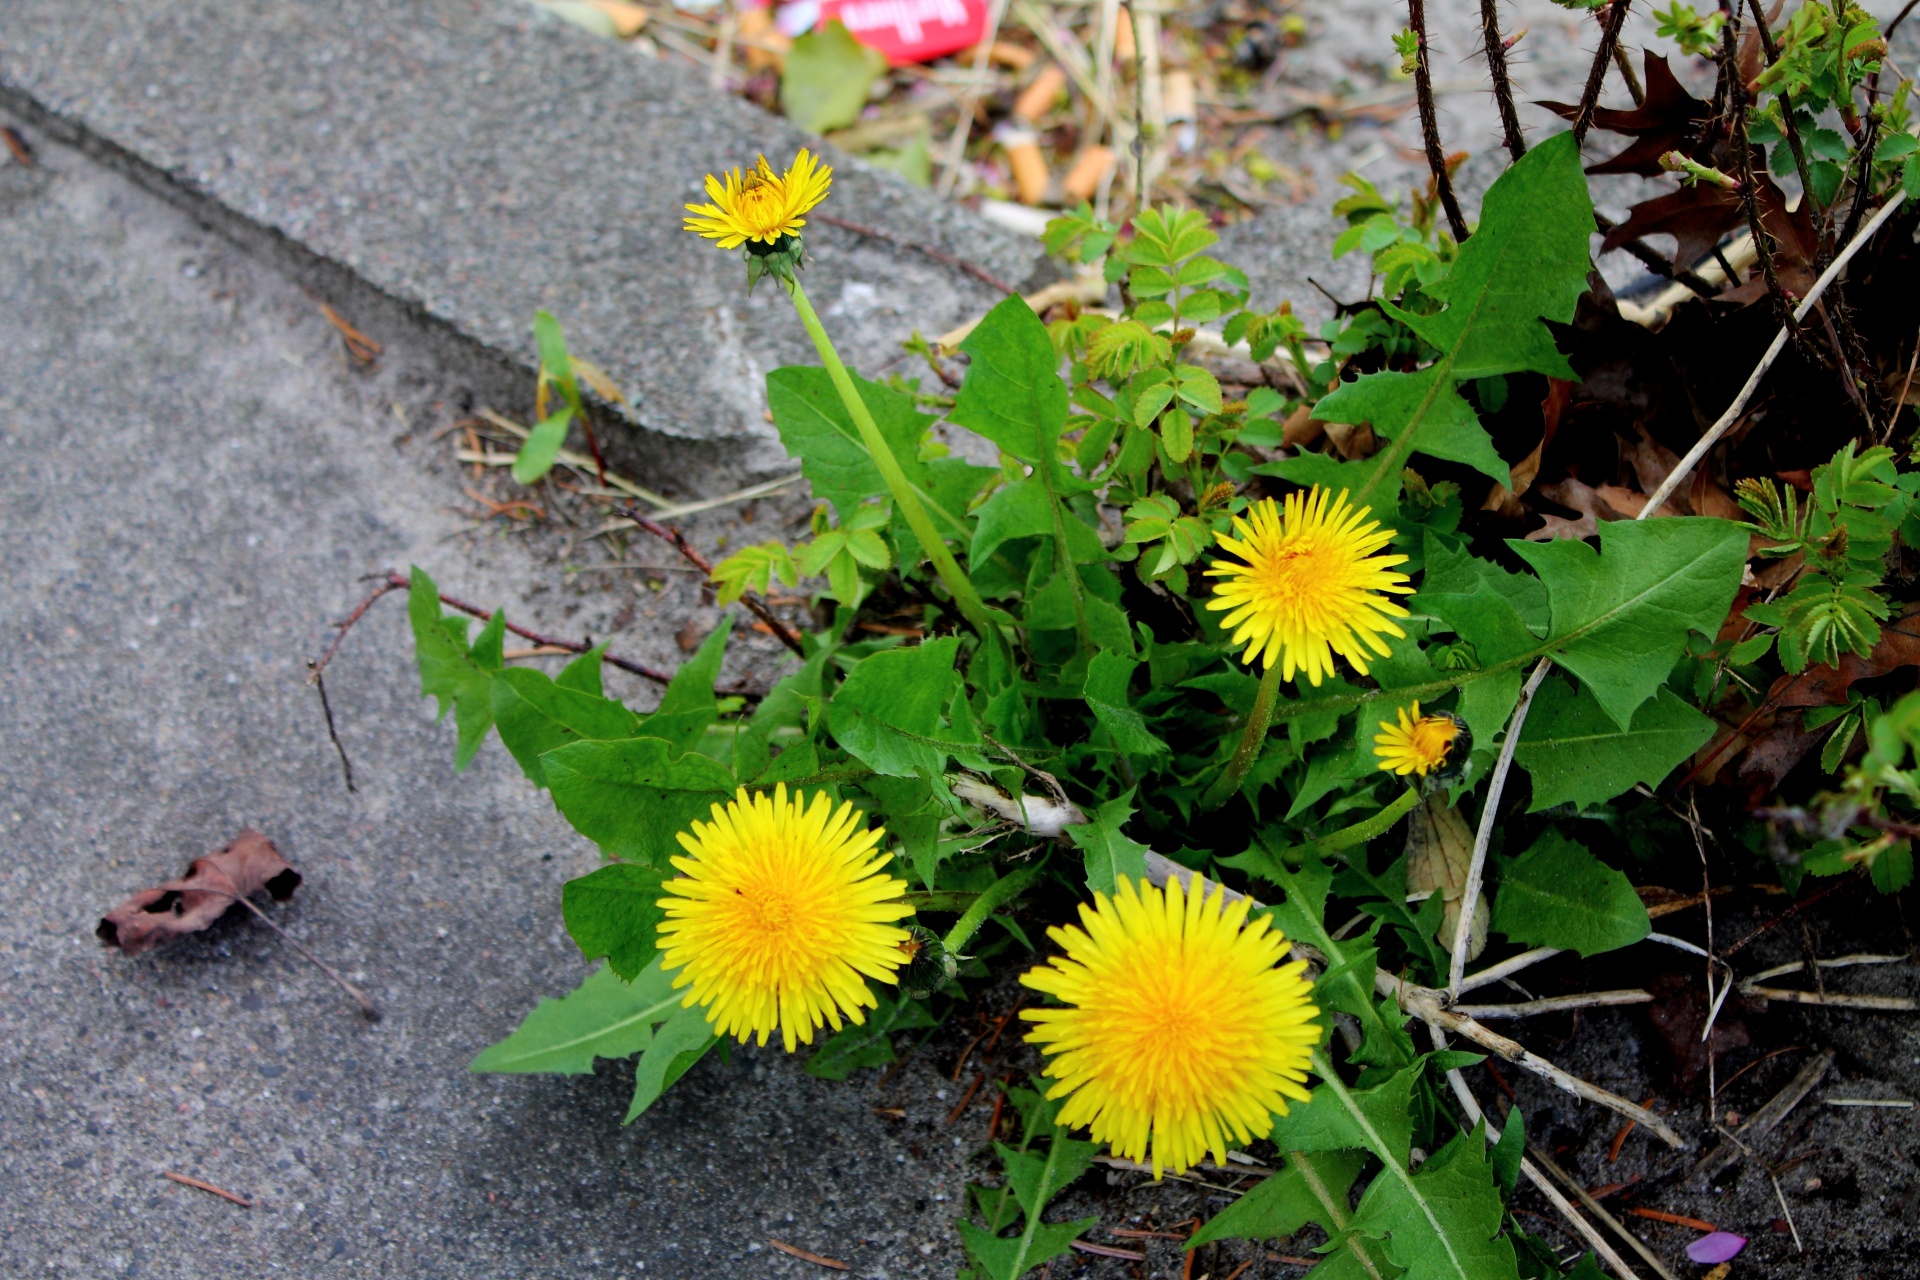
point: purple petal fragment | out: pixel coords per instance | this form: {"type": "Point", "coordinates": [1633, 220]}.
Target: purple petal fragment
{"type": "Point", "coordinates": [1721, 1246]}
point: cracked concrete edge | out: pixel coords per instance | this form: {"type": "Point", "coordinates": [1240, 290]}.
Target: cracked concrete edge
{"type": "Point", "coordinates": [494, 376]}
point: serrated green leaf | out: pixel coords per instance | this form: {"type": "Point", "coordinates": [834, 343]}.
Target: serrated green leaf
{"type": "Point", "coordinates": [1576, 754]}
{"type": "Point", "coordinates": [1284, 1202]}
{"type": "Point", "coordinates": [681, 1041]}
{"type": "Point", "coordinates": [1024, 509]}
{"type": "Point", "coordinates": [1346, 985]}
{"type": "Point", "coordinates": [1557, 894]}
{"type": "Point", "coordinates": [1424, 405]}
{"type": "Point", "coordinates": [582, 675]}
{"type": "Point", "coordinates": [1105, 692]}
{"type": "Point", "coordinates": [1527, 261]}
{"type": "Point", "coordinates": [601, 1018]}
{"type": "Point", "coordinates": [870, 1043]}
{"type": "Point", "coordinates": [535, 715]}
{"type": "Point", "coordinates": [1443, 1222]}
{"type": "Point", "coordinates": [1035, 1179]}
{"type": "Point", "coordinates": [887, 712]}
{"type": "Point", "coordinates": [815, 428]}
{"type": "Point", "coordinates": [1012, 393]}
{"type": "Point", "coordinates": [632, 797]}
{"type": "Point", "coordinates": [458, 676]}
{"type": "Point", "coordinates": [688, 706]}
{"type": "Point", "coordinates": [614, 913]}
{"type": "Point", "coordinates": [1010, 1258]}
{"type": "Point", "coordinates": [1108, 852]}
{"type": "Point", "coordinates": [1379, 1119]}
{"type": "Point", "coordinates": [1509, 1151]}
{"type": "Point", "coordinates": [1621, 614]}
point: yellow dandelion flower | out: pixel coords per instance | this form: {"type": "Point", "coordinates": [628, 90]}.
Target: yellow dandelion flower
{"type": "Point", "coordinates": [780, 915]}
{"type": "Point", "coordinates": [1310, 584]}
{"type": "Point", "coordinates": [1179, 1035]}
{"type": "Point", "coordinates": [760, 206]}
{"type": "Point", "coordinates": [1418, 744]}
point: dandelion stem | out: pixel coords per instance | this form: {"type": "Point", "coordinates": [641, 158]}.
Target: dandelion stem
{"type": "Point", "coordinates": [1258, 722]}
{"type": "Point", "coordinates": [983, 906]}
{"type": "Point", "coordinates": [911, 507]}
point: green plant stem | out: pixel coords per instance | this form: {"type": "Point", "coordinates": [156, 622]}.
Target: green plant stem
{"type": "Point", "coordinates": [1367, 828]}
{"type": "Point", "coordinates": [1258, 722]}
{"type": "Point", "coordinates": [983, 906]}
{"type": "Point", "coordinates": [911, 507]}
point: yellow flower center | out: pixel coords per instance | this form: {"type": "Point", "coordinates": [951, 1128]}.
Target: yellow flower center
{"type": "Point", "coordinates": [1311, 585]}
{"type": "Point", "coordinates": [779, 916]}
{"type": "Point", "coordinates": [1179, 1034]}
{"type": "Point", "coordinates": [762, 206]}
{"type": "Point", "coordinates": [1416, 744]}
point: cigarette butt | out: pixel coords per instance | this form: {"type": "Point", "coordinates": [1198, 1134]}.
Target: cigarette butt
{"type": "Point", "coordinates": [1089, 169]}
{"type": "Point", "coordinates": [1000, 53]}
{"type": "Point", "coordinates": [1124, 50]}
{"type": "Point", "coordinates": [1029, 169]}
{"type": "Point", "coordinates": [627, 17]}
{"type": "Point", "coordinates": [764, 44]}
{"type": "Point", "coordinates": [1178, 94]}
{"type": "Point", "coordinates": [1037, 99]}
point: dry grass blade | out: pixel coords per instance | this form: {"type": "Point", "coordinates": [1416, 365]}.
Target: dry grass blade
{"type": "Point", "coordinates": [807, 1255]}
{"type": "Point", "coordinates": [1763, 1121]}
{"type": "Point", "coordinates": [208, 1187]}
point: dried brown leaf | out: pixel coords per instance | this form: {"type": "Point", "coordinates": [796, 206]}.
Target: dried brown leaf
{"type": "Point", "coordinates": [1439, 853]}
{"type": "Point", "coordinates": [1669, 120]}
{"type": "Point", "coordinates": [211, 886]}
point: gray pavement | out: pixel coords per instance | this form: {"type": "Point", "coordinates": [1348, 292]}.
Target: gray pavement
{"type": "Point", "coordinates": [475, 160]}
{"type": "Point", "coordinates": [192, 480]}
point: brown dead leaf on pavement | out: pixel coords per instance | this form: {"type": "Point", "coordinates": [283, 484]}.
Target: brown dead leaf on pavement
{"type": "Point", "coordinates": [209, 889]}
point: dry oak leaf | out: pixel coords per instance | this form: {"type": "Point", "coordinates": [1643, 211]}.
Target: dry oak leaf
{"type": "Point", "coordinates": [1669, 120]}
{"type": "Point", "coordinates": [210, 888]}
{"type": "Point", "coordinates": [1772, 753]}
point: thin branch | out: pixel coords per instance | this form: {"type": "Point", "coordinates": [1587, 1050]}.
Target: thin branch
{"type": "Point", "coordinates": [1489, 811]}
{"type": "Point", "coordinates": [1554, 1004]}
{"type": "Point", "coordinates": [1764, 247]}
{"type": "Point", "coordinates": [390, 582]}
{"type": "Point", "coordinates": [1429, 1005]}
{"type": "Point", "coordinates": [1837, 962]}
{"type": "Point", "coordinates": [1507, 968]}
{"type": "Point", "coordinates": [1655, 261]}
{"type": "Point", "coordinates": [978, 272]}
{"type": "Point", "coordinates": [1835, 1000]}
{"type": "Point", "coordinates": [1792, 130]}
{"type": "Point", "coordinates": [326, 707]}
{"type": "Point", "coordinates": [956, 150]}
{"type": "Point", "coordinates": [1471, 1105]}
{"type": "Point", "coordinates": [1611, 20]}
{"type": "Point", "coordinates": [368, 1009]}
{"type": "Point", "coordinates": [1620, 1228]}
{"type": "Point", "coordinates": [1430, 123]}
{"type": "Point", "coordinates": [1502, 86]}
{"type": "Point", "coordinates": [758, 607]}
{"type": "Point", "coordinates": [398, 582]}
{"type": "Point", "coordinates": [1763, 1121]}
{"type": "Point", "coordinates": [1678, 475]}
{"type": "Point", "coordinates": [1628, 74]}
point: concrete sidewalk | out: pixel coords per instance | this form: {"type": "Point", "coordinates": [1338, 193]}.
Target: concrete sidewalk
{"type": "Point", "coordinates": [192, 481]}
{"type": "Point", "coordinates": [466, 162]}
